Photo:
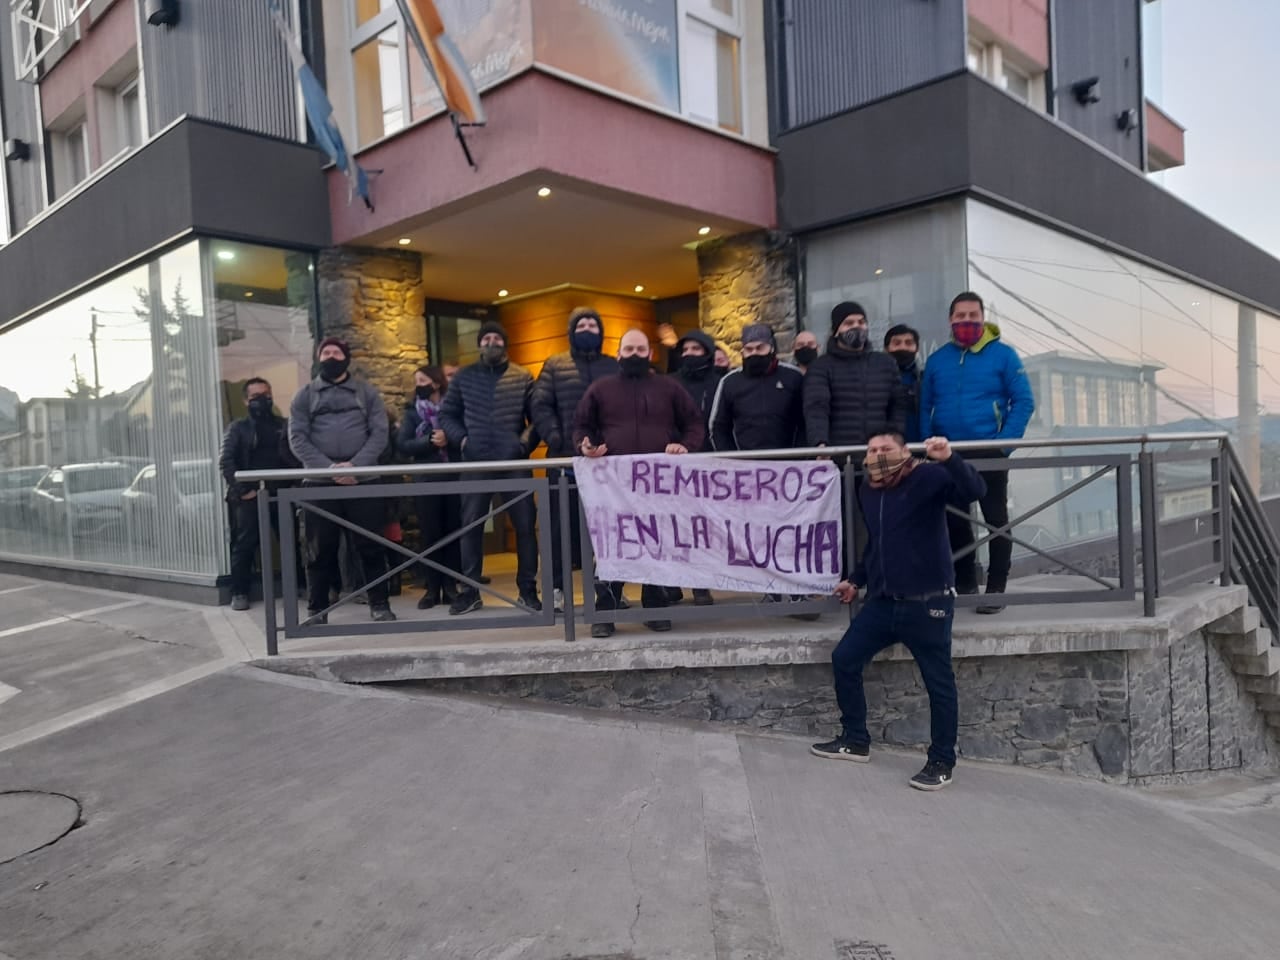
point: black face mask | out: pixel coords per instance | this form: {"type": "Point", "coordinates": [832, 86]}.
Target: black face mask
{"type": "Point", "coordinates": [806, 355]}
{"type": "Point", "coordinates": [757, 366]}
{"type": "Point", "coordinates": [905, 358]}
{"type": "Point", "coordinates": [634, 367]}
{"type": "Point", "coordinates": [424, 393]}
{"type": "Point", "coordinates": [260, 407]}
{"type": "Point", "coordinates": [493, 354]}
{"type": "Point", "coordinates": [855, 338]}
{"type": "Point", "coordinates": [697, 366]}
{"type": "Point", "coordinates": [333, 368]}
{"type": "Point", "coordinates": [584, 341]}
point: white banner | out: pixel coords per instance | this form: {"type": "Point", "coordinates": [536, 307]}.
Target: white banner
{"type": "Point", "coordinates": [714, 523]}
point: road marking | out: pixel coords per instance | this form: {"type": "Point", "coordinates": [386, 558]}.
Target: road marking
{"type": "Point", "coordinates": [13, 631]}
{"type": "Point", "coordinates": [6, 692]}
{"type": "Point", "coordinates": [29, 586]}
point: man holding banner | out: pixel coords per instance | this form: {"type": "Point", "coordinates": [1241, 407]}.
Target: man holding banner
{"type": "Point", "coordinates": [909, 580]}
{"type": "Point", "coordinates": [634, 412]}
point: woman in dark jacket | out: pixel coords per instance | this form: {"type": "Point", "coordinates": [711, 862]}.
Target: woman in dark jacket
{"type": "Point", "coordinates": [420, 439]}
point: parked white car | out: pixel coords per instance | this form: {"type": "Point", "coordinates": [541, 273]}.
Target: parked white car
{"type": "Point", "coordinates": [195, 499]}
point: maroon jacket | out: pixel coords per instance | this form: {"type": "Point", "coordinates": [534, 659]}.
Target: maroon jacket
{"type": "Point", "coordinates": [638, 415]}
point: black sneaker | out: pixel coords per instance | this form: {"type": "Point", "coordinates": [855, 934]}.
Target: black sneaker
{"type": "Point", "coordinates": [674, 595]}
{"type": "Point", "coordinates": [658, 626]}
{"type": "Point", "coordinates": [240, 602]}
{"type": "Point", "coordinates": [991, 607]}
{"type": "Point", "coordinates": [381, 613]}
{"type": "Point", "coordinates": [429, 600]}
{"type": "Point", "coordinates": [531, 601]}
{"type": "Point", "coordinates": [317, 618]}
{"type": "Point", "coordinates": [841, 749]}
{"type": "Point", "coordinates": [934, 776]}
{"type": "Point", "coordinates": [601, 631]}
{"type": "Point", "coordinates": [465, 602]}
{"type": "Point", "coordinates": [623, 602]}
{"type": "Point", "coordinates": [703, 598]}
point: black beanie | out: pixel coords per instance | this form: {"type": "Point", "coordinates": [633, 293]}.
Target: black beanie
{"type": "Point", "coordinates": [842, 310]}
{"type": "Point", "coordinates": [491, 326]}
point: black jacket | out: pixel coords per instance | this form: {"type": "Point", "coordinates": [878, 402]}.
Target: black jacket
{"type": "Point", "coordinates": [850, 397]}
{"type": "Point", "coordinates": [487, 409]}
{"type": "Point", "coordinates": [759, 413]}
{"type": "Point", "coordinates": [563, 380]}
{"type": "Point", "coordinates": [410, 446]}
{"type": "Point", "coordinates": [701, 386]}
{"type": "Point", "coordinates": [240, 451]}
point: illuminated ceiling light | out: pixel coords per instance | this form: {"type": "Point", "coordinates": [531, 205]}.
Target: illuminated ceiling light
{"type": "Point", "coordinates": [544, 191]}
{"type": "Point", "coordinates": [639, 288]}
{"type": "Point", "coordinates": [248, 293]}
{"type": "Point", "coordinates": [703, 231]}
{"type": "Point", "coordinates": [226, 255]}
{"type": "Point", "coordinates": [503, 293]}
{"type": "Point", "coordinates": [879, 270]}
{"type": "Point", "coordinates": [404, 241]}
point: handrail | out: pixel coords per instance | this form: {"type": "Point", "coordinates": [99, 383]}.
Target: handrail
{"type": "Point", "coordinates": [800, 453]}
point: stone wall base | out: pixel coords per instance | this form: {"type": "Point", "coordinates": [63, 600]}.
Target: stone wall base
{"type": "Point", "coordinates": [1117, 715]}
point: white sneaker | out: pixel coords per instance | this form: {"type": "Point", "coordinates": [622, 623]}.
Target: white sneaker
{"type": "Point", "coordinates": [557, 599]}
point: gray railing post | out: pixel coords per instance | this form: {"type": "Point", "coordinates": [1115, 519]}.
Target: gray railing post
{"type": "Point", "coordinates": [1148, 512]}
{"type": "Point", "coordinates": [268, 575]}
{"type": "Point", "coordinates": [1221, 471]}
{"type": "Point", "coordinates": [565, 533]}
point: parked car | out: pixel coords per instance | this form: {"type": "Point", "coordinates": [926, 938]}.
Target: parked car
{"type": "Point", "coordinates": [196, 499]}
{"type": "Point", "coordinates": [17, 484]}
{"type": "Point", "coordinates": [86, 496]}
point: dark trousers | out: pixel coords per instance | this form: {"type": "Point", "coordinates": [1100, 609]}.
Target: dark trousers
{"type": "Point", "coordinates": [439, 516]}
{"type": "Point", "coordinates": [246, 541]}
{"type": "Point", "coordinates": [575, 532]}
{"type": "Point", "coordinates": [323, 539]}
{"type": "Point", "coordinates": [924, 628]}
{"type": "Point", "coordinates": [995, 511]}
{"type": "Point", "coordinates": [523, 517]}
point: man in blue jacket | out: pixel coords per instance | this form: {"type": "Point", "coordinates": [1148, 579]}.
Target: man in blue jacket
{"type": "Point", "coordinates": [976, 389]}
{"type": "Point", "coordinates": [906, 571]}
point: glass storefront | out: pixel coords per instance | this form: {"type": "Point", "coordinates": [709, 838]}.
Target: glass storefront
{"type": "Point", "coordinates": [113, 406]}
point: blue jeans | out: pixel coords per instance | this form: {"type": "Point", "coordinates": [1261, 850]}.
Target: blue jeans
{"type": "Point", "coordinates": [924, 628]}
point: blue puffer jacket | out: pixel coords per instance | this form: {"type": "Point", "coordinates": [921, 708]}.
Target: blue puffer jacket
{"type": "Point", "coordinates": [981, 393]}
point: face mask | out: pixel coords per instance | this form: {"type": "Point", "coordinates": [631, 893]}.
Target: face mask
{"type": "Point", "coordinates": [333, 368]}
{"type": "Point", "coordinates": [696, 366]}
{"type": "Point", "coordinates": [493, 353]}
{"type": "Point", "coordinates": [806, 355]}
{"type": "Point", "coordinates": [968, 333]}
{"type": "Point", "coordinates": [905, 358]}
{"type": "Point", "coordinates": [854, 338]}
{"type": "Point", "coordinates": [424, 393]}
{"type": "Point", "coordinates": [584, 341]}
{"type": "Point", "coordinates": [757, 366]}
{"type": "Point", "coordinates": [634, 367]}
{"type": "Point", "coordinates": [260, 407]}
{"type": "Point", "coordinates": [883, 466]}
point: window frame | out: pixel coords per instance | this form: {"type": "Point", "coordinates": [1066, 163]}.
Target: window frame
{"type": "Point", "coordinates": [732, 25]}
{"type": "Point", "coordinates": [359, 36]}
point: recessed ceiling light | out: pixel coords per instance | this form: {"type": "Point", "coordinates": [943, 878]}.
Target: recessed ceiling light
{"type": "Point", "coordinates": [502, 293]}
{"type": "Point", "coordinates": [544, 191]}
{"type": "Point", "coordinates": [703, 231]}
{"type": "Point", "coordinates": [226, 255]}
{"type": "Point", "coordinates": [248, 293]}
{"type": "Point", "coordinates": [404, 241]}
{"type": "Point", "coordinates": [879, 270]}
{"type": "Point", "coordinates": [639, 288]}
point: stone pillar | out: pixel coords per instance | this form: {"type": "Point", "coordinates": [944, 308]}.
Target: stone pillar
{"type": "Point", "coordinates": [749, 278]}
{"type": "Point", "coordinates": [374, 300]}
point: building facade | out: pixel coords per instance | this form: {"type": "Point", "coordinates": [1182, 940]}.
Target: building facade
{"type": "Point", "coordinates": [169, 231]}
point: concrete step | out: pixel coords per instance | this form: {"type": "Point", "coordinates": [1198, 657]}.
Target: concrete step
{"type": "Point", "coordinates": [1251, 644]}
{"type": "Point", "coordinates": [1265, 685]}
{"type": "Point", "coordinates": [1265, 665]}
{"type": "Point", "coordinates": [1273, 721]}
{"type": "Point", "coordinates": [1268, 703]}
{"type": "Point", "coordinates": [1237, 622]}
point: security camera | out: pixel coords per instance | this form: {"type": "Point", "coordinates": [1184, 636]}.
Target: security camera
{"type": "Point", "coordinates": [1086, 91]}
{"type": "Point", "coordinates": [1127, 121]}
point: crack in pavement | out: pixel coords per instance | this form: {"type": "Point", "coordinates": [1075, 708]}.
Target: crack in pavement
{"type": "Point", "coordinates": [127, 632]}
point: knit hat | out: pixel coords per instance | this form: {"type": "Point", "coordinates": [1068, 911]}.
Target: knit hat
{"type": "Point", "coordinates": [335, 342]}
{"type": "Point", "coordinates": [580, 312]}
{"type": "Point", "coordinates": [759, 333]}
{"type": "Point", "coordinates": [842, 310]}
{"type": "Point", "coordinates": [491, 326]}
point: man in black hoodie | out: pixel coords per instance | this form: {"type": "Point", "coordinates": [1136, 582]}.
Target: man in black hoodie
{"type": "Point", "coordinates": [852, 393]}
{"type": "Point", "coordinates": [486, 415]}
{"type": "Point", "coordinates": [565, 377]}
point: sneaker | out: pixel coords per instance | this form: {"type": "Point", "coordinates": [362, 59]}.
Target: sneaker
{"type": "Point", "coordinates": [429, 600]}
{"type": "Point", "coordinates": [991, 607]}
{"type": "Point", "coordinates": [623, 602]}
{"type": "Point", "coordinates": [934, 776]}
{"type": "Point", "coordinates": [465, 602]}
{"type": "Point", "coordinates": [841, 749]}
{"type": "Point", "coordinates": [240, 602]}
{"type": "Point", "coordinates": [530, 599]}
{"type": "Point", "coordinates": [483, 579]}
{"type": "Point", "coordinates": [658, 626]}
{"type": "Point", "coordinates": [381, 613]}
{"type": "Point", "coordinates": [601, 631]}
{"type": "Point", "coordinates": [317, 618]}
{"type": "Point", "coordinates": [557, 600]}
{"type": "Point", "coordinates": [674, 595]}
{"type": "Point", "coordinates": [797, 598]}
{"type": "Point", "coordinates": [703, 598]}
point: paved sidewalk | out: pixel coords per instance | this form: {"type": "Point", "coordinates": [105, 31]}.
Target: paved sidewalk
{"type": "Point", "coordinates": [250, 815]}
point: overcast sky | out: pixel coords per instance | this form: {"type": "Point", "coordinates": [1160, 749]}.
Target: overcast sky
{"type": "Point", "coordinates": [1217, 78]}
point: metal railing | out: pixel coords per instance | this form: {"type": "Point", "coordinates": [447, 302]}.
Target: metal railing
{"type": "Point", "coordinates": [1237, 544]}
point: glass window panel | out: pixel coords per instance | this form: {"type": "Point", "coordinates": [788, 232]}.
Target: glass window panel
{"type": "Point", "coordinates": [379, 86]}
{"type": "Point", "coordinates": [712, 72]}
{"type": "Point", "coordinates": [124, 411]}
{"type": "Point", "coordinates": [728, 87]}
{"type": "Point", "coordinates": [366, 10]}
{"type": "Point", "coordinates": [723, 6]}
{"type": "Point", "coordinates": [131, 117]}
